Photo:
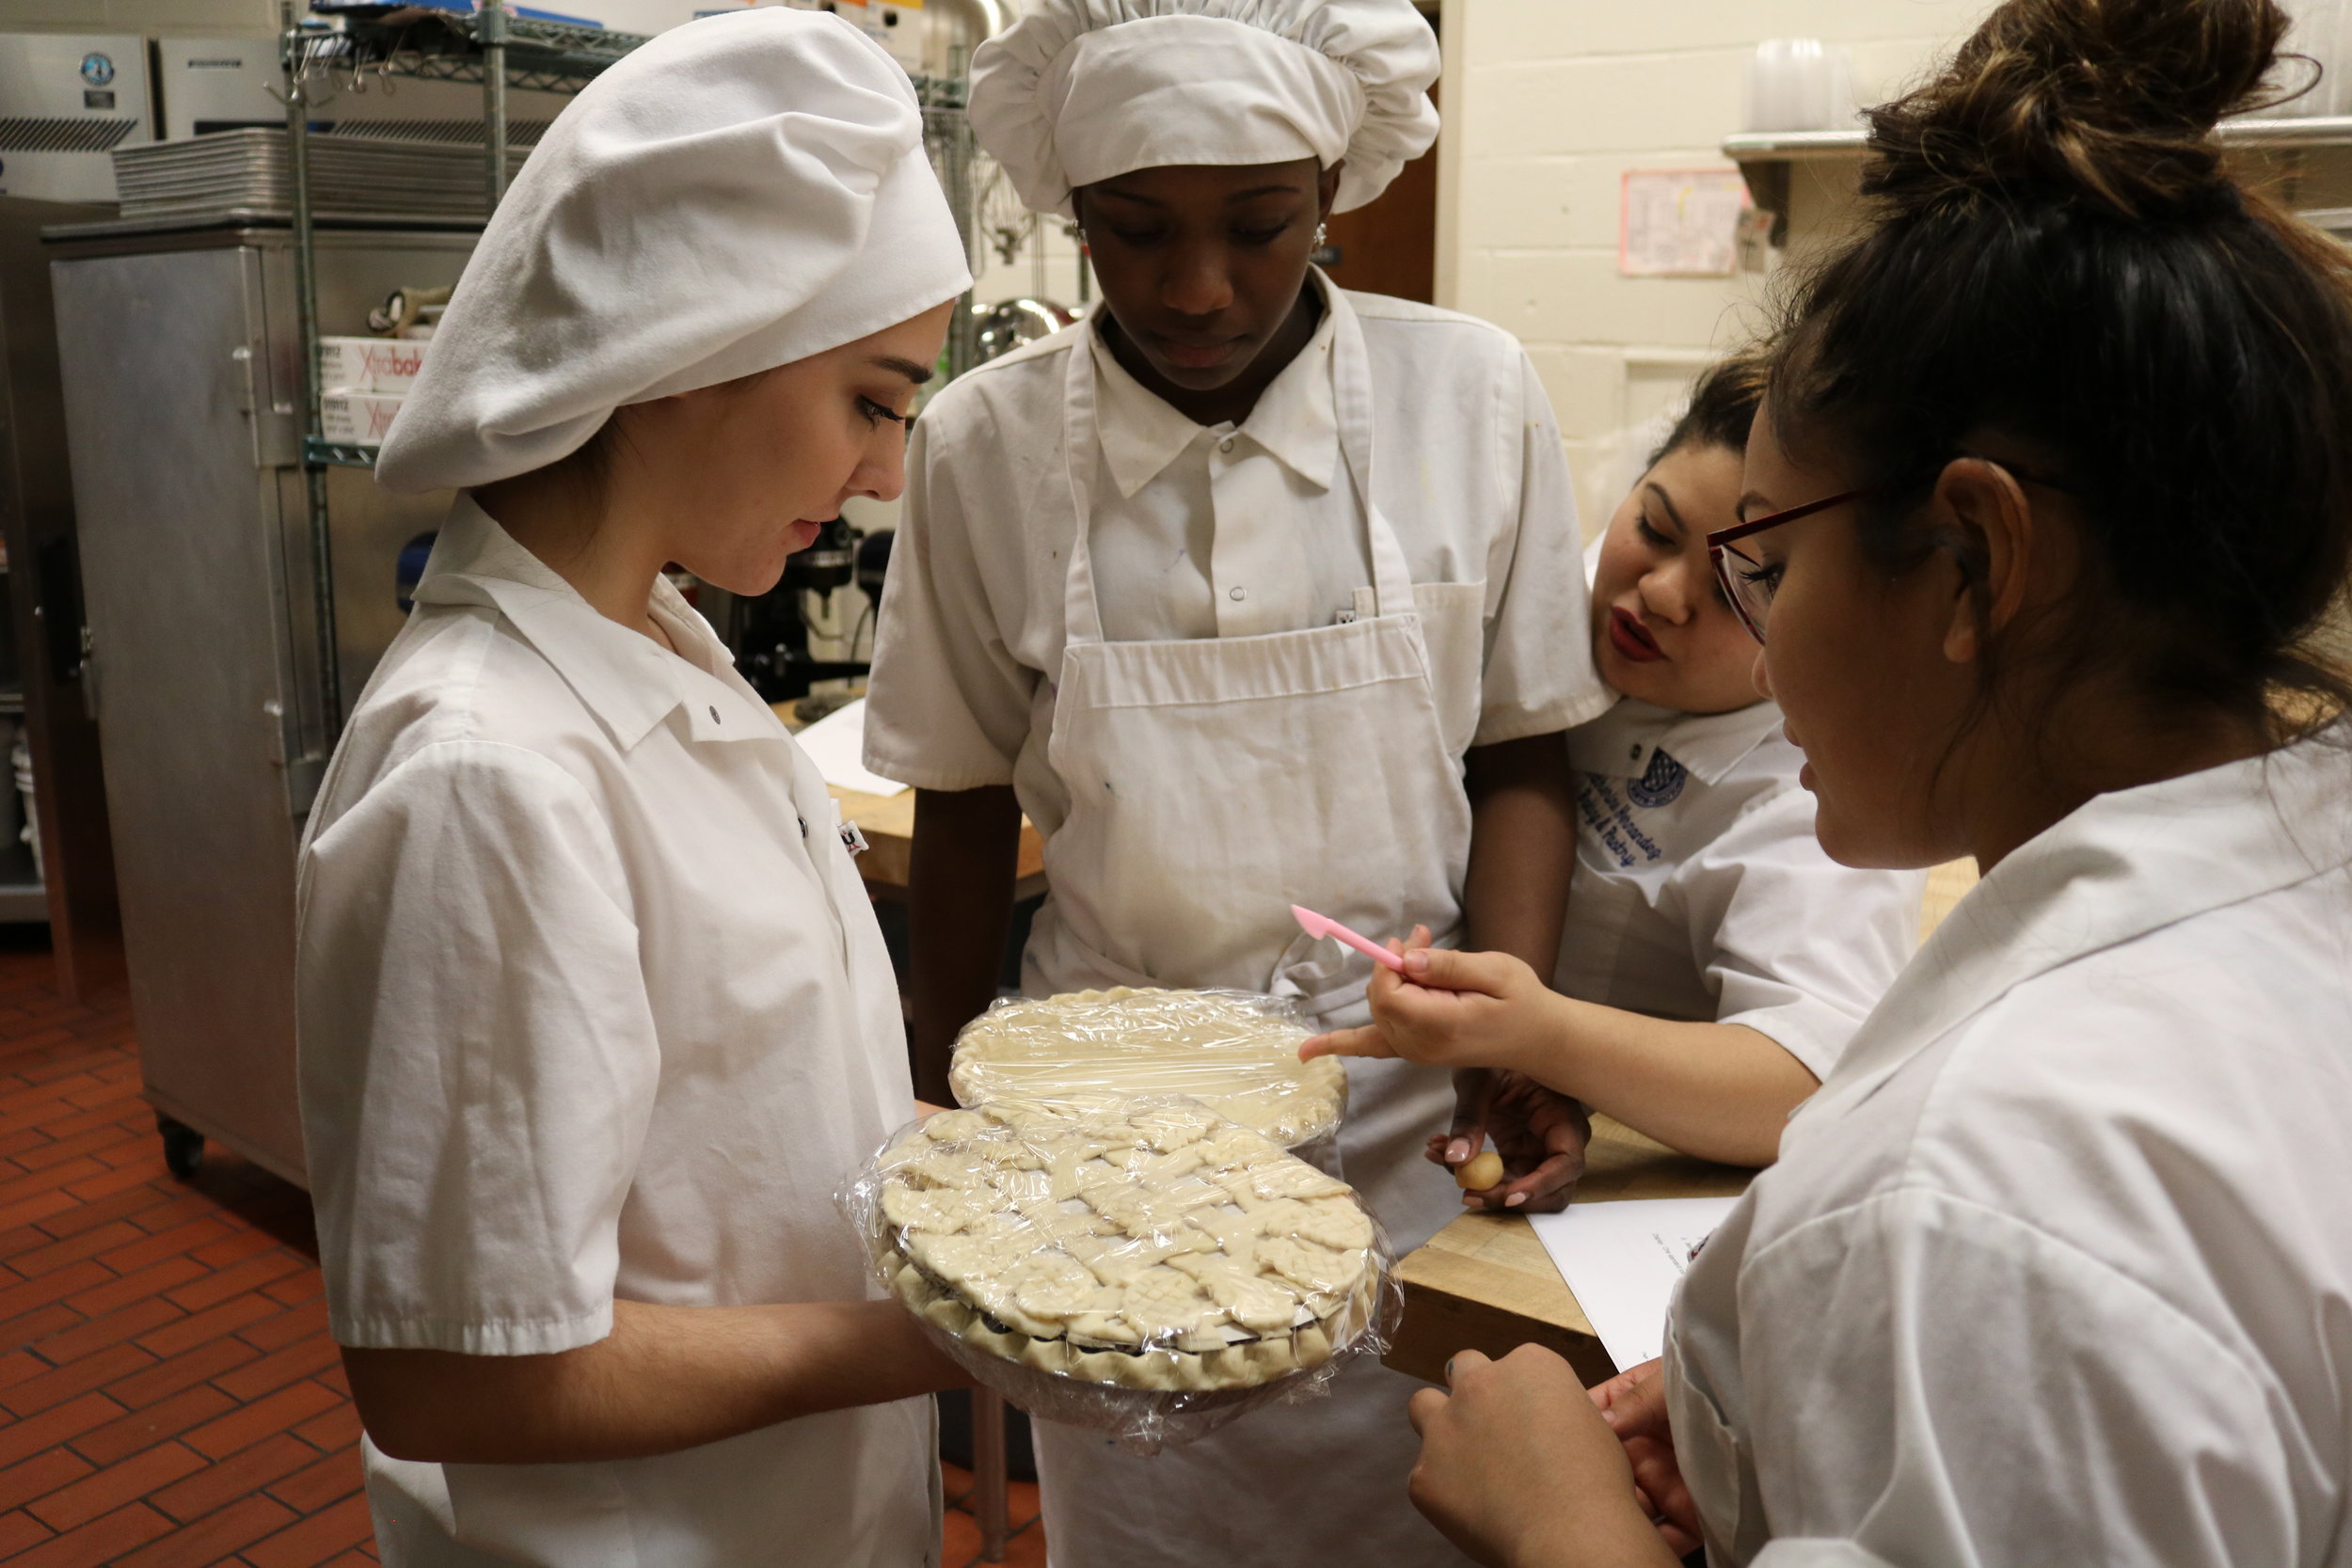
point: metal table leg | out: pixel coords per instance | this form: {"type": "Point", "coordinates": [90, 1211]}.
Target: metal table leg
{"type": "Point", "coordinates": [989, 1486]}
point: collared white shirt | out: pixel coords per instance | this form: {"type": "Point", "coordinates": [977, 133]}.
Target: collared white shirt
{"type": "Point", "coordinates": [1701, 893]}
{"type": "Point", "coordinates": [1470, 470]}
{"type": "Point", "coordinates": [592, 1006]}
{"type": "Point", "coordinates": [2057, 1267]}
{"type": "Point", "coordinates": [1224, 530]}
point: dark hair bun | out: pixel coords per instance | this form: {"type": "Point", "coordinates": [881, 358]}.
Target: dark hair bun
{"type": "Point", "coordinates": [2108, 100]}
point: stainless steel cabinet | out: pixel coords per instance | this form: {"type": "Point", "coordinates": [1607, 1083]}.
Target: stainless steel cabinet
{"type": "Point", "coordinates": [181, 371]}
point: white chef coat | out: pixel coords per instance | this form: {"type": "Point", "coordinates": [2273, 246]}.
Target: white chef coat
{"type": "Point", "coordinates": [1701, 893]}
{"type": "Point", "coordinates": [2057, 1267]}
{"type": "Point", "coordinates": [593, 1006]}
{"type": "Point", "coordinates": [972, 624]}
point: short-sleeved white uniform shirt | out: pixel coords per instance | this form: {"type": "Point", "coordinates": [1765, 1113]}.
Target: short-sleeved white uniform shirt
{"type": "Point", "coordinates": [1223, 531]}
{"type": "Point", "coordinates": [1701, 893]}
{"type": "Point", "coordinates": [2057, 1266]}
{"type": "Point", "coordinates": [592, 1006]}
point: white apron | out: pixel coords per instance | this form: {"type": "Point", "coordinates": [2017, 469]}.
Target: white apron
{"type": "Point", "coordinates": [1212, 783]}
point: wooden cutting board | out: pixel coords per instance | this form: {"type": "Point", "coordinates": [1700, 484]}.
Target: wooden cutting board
{"type": "Point", "coordinates": [1486, 1283]}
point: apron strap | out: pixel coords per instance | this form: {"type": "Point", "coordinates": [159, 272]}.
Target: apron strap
{"type": "Point", "coordinates": [1082, 615]}
{"type": "Point", "coordinates": [1351, 401]}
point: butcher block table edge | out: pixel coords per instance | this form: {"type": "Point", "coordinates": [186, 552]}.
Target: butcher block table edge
{"type": "Point", "coordinates": [1486, 1283]}
{"type": "Point", "coordinates": [888, 823]}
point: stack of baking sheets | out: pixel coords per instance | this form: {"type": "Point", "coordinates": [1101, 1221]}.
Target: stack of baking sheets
{"type": "Point", "coordinates": [246, 174]}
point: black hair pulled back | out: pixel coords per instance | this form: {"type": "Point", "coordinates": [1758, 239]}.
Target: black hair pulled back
{"type": "Point", "coordinates": [2059, 257]}
{"type": "Point", "coordinates": [1724, 402]}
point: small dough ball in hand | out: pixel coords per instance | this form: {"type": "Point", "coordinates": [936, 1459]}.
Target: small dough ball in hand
{"type": "Point", "coordinates": [1479, 1172]}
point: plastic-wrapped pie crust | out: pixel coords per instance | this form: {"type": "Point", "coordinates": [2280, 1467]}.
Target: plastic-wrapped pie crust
{"type": "Point", "coordinates": [1232, 1051]}
{"type": "Point", "coordinates": [1150, 1247]}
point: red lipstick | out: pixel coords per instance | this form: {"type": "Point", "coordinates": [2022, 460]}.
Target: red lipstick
{"type": "Point", "coordinates": [1631, 638]}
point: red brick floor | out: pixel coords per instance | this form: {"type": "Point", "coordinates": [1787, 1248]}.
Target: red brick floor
{"type": "Point", "coordinates": [168, 1396]}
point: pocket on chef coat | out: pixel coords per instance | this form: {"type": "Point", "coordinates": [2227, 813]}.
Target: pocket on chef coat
{"type": "Point", "coordinates": [1454, 627]}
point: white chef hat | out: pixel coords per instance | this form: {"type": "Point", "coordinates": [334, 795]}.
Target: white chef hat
{"type": "Point", "coordinates": [1081, 91]}
{"type": "Point", "coordinates": [740, 192]}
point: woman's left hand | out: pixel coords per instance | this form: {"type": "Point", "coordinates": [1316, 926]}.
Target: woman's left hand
{"type": "Point", "coordinates": [1518, 1469]}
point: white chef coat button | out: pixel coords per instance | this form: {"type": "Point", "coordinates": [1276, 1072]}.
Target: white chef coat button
{"type": "Point", "coordinates": [1226, 445]}
{"type": "Point", "coordinates": [804, 822]}
{"type": "Point", "coordinates": [1238, 594]}
{"type": "Point", "coordinates": [714, 715]}
{"type": "Point", "coordinates": [1635, 754]}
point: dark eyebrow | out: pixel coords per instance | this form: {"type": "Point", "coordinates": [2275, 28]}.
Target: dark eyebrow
{"type": "Point", "coordinates": [915, 374]}
{"type": "Point", "coordinates": [1682, 529]}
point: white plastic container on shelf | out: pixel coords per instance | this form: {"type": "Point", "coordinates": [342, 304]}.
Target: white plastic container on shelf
{"type": "Point", "coordinates": [1800, 84]}
{"type": "Point", "coordinates": [370, 364]}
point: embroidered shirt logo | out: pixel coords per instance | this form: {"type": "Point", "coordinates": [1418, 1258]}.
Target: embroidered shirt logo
{"type": "Point", "coordinates": [1660, 785]}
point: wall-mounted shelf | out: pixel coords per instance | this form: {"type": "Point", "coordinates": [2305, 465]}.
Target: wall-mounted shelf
{"type": "Point", "coordinates": [1785, 146]}
{"type": "Point", "coordinates": [1767, 157]}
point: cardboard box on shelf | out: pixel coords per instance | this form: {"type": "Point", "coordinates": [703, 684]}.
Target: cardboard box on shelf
{"type": "Point", "coordinates": [357, 419]}
{"type": "Point", "coordinates": [370, 364]}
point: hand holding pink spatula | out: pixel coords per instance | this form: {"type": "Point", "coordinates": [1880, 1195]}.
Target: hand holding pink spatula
{"type": "Point", "coordinates": [1461, 1150]}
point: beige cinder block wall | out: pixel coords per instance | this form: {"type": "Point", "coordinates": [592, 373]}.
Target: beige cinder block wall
{"type": "Point", "coordinates": [1547, 103]}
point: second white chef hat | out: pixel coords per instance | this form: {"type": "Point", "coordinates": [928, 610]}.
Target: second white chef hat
{"type": "Point", "coordinates": [1081, 90]}
{"type": "Point", "coordinates": [739, 193]}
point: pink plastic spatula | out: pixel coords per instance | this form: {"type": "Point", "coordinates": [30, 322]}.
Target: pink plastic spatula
{"type": "Point", "coordinates": [1323, 926]}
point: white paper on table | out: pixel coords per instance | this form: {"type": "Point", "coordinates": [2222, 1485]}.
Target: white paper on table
{"type": "Point", "coordinates": [1623, 1261]}
{"type": "Point", "coordinates": [836, 744]}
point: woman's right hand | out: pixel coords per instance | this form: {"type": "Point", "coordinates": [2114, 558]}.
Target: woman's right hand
{"type": "Point", "coordinates": [1450, 1010]}
{"type": "Point", "coordinates": [1634, 1405]}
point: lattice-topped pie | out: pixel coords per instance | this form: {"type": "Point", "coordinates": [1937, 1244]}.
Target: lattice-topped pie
{"type": "Point", "coordinates": [1235, 1053]}
{"type": "Point", "coordinates": [1154, 1245]}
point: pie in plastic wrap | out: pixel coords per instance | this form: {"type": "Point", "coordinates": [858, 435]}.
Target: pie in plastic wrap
{"type": "Point", "coordinates": [1234, 1052]}
{"type": "Point", "coordinates": [1153, 1246]}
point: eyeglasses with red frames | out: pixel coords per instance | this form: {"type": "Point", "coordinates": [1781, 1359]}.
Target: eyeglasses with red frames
{"type": "Point", "coordinates": [1749, 584]}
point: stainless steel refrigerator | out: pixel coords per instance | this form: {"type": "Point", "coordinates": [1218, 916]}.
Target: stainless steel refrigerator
{"type": "Point", "coordinates": [181, 362]}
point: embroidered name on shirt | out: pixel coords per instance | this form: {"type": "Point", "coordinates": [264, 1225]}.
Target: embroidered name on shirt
{"type": "Point", "coordinates": [1610, 815]}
